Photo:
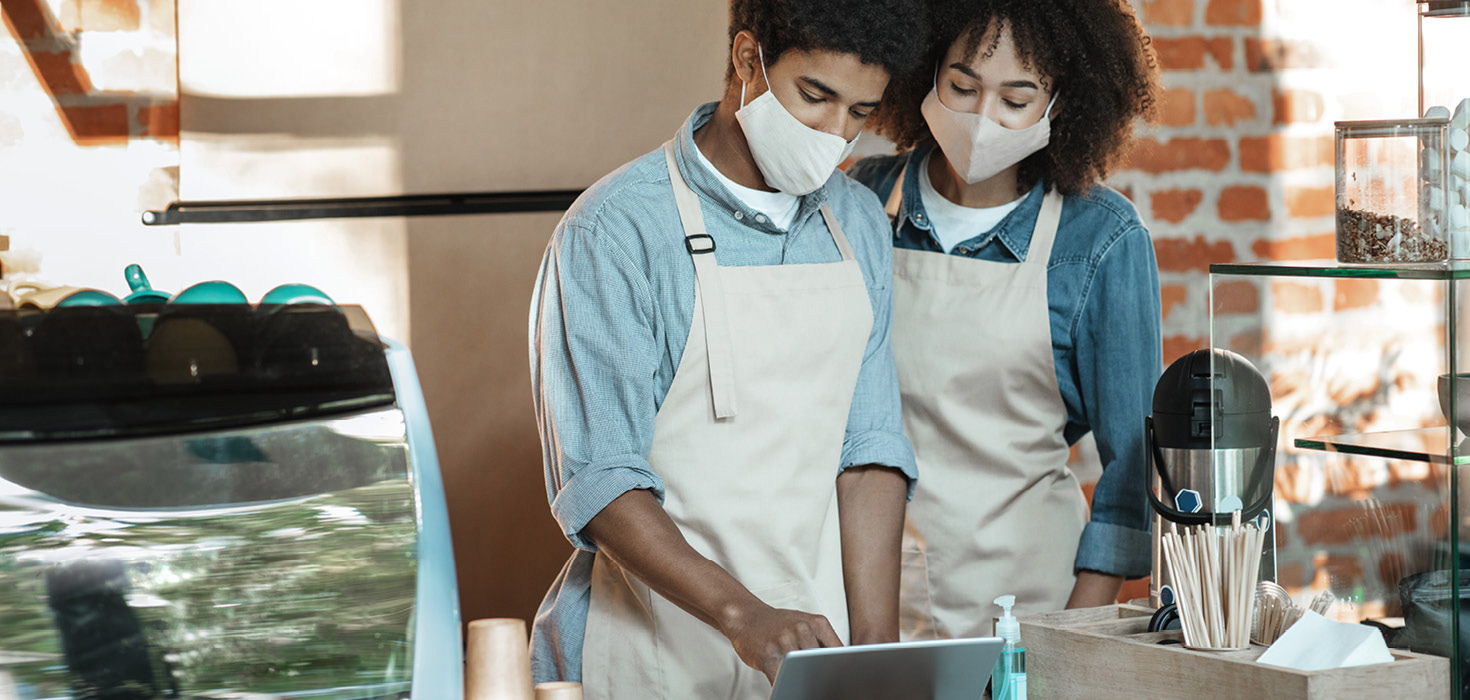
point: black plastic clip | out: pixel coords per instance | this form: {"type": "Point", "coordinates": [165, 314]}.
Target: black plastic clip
{"type": "Point", "coordinates": [689, 244]}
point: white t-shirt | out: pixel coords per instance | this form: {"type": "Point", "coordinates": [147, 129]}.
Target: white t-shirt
{"type": "Point", "coordinates": [779, 207]}
{"type": "Point", "coordinates": [954, 224]}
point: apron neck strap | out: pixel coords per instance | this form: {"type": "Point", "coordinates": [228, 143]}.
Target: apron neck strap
{"type": "Point", "coordinates": [689, 212]}
{"type": "Point", "coordinates": [838, 237]}
{"type": "Point", "coordinates": [1045, 233]}
{"type": "Point", "coordinates": [711, 291]}
{"type": "Point", "coordinates": [895, 196]}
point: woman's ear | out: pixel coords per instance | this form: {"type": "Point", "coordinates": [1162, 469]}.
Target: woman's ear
{"type": "Point", "coordinates": [745, 56]}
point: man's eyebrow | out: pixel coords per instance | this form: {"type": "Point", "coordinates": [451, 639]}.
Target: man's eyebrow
{"type": "Point", "coordinates": [825, 89]}
{"type": "Point", "coordinates": [1009, 83]}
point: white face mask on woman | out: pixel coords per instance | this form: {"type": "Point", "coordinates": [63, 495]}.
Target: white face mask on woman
{"type": "Point", "coordinates": [792, 156]}
{"type": "Point", "coordinates": [977, 146]}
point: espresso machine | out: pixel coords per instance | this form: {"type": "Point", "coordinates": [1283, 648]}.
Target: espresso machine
{"type": "Point", "coordinates": [219, 501]}
{"type": "Point", "coordinates": [1211, 445]}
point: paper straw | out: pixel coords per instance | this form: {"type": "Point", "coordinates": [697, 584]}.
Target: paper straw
{"type": "Point", "coordinates": [1214, 571]}
{"type": "Point", "coordinates": [498, 661]}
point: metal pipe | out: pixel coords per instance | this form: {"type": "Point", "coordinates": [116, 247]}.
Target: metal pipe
{"type": "Point", "coordinates": [452, 204]}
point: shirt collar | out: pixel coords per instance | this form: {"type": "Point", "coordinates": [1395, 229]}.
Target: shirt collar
{"type": "Point", "coordinates": [1013, 232]}
{"type": "Point", "coordinates": [703, 182]}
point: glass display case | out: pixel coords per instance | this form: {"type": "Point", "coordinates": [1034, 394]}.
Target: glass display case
{"type": "Point", "coordinates": [1365, 367]}
{"type": "Point", "coordinates": [219, 501]}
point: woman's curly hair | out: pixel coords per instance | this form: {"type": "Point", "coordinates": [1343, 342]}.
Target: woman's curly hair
{"type": "Point", "coordinates": [1093, 52]}
{"type": "Point", "coordinates": [888, 33]}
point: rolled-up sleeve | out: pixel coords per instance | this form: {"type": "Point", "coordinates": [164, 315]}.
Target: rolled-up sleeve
{"type": "Point", "coordinates": [875, 423]}
{"type": "Point", "coordinates": [593, 357]}
{"type": "Point", "coordinates": [1118, 363]}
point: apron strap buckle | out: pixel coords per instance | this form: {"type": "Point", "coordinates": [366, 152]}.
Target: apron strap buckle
{"type": "Point", "coordinates": [690, 246]}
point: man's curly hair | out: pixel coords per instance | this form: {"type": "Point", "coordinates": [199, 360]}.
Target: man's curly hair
{"type": "Point", "coordinates": [887, 33]}
{"type": "Point", "coordinates": [1093, 52]}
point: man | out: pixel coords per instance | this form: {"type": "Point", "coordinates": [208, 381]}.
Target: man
{"type": "Point", "coordinates": [717, 397]}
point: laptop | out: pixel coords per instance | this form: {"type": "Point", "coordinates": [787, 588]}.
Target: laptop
{"type": "Point", "coordinates": [944, 669]}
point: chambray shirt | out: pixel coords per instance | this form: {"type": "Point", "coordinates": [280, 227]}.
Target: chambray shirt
{"type": "Point", "coordinates": [1103, 296]}
{"type": "Point", "coordinates": [612, 309]}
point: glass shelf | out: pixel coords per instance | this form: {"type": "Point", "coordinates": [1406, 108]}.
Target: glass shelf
{"type": "Point", "coordinates": [1449, 270]}
{"type": "Point", "coordinates": [1421, 445]}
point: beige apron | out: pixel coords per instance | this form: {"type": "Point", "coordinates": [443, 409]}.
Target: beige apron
{"type": "Point", "coordinates": [996, 510]}
{"type": "Point", "coordinates": [752, 484]}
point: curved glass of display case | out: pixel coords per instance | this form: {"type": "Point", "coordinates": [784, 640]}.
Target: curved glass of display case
{"type": "Point", "coordinates": [1364, 364]}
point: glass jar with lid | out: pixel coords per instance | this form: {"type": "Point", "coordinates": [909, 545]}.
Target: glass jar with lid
{"type": "Point", "coordinates": [1394, 204]}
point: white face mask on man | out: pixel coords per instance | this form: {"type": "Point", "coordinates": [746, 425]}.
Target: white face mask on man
{"type": "Point", "coordinates": [977, 146]}
{"type": "Point", "coordinates": [792, 156]}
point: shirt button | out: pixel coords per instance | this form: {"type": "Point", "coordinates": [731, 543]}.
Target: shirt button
{"type": "Point", "coordinates": [739, 215]}
{"type": "Point", "coordinates": [761, 218]}
{"type": "Point", "coordinates": [918, 217]}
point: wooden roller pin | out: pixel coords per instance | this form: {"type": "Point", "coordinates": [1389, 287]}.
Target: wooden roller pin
{"type": "Point", "coordinates": [498, 661]}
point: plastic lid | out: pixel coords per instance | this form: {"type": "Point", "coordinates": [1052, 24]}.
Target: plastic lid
{"type": "Point", "coordinates": [1008, 627]}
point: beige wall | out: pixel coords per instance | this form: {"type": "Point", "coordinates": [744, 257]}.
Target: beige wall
{"type": "Point", "coordinates": [516, 95]}
{"type": "Point", "coordinates": [482, 96]}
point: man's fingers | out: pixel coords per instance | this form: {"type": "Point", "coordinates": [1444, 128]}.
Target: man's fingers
{"type": "Point", "coordinates": [807, 636]}
{"type": "Point", "coordinates": [825, 634]}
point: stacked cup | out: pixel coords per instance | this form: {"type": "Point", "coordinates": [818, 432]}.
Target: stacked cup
{"type": "Point", "coordinates": [498, 665]}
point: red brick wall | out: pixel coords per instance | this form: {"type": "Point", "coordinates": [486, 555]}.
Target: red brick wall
{"type": "Point", "coordinates": [126, 91]}
{"type": "Point", "coordinates": [1241, 168]}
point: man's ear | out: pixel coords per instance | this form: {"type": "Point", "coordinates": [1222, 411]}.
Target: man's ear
{"type": "Point", "coordinates": [745, 56]}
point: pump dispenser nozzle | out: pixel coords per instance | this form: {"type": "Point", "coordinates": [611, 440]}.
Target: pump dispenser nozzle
{"type": "Point", "coordinates": [1008, 627]}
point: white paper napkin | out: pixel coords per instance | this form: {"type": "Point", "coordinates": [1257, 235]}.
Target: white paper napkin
{"type": "Point", "coordinates": [1316, 643]}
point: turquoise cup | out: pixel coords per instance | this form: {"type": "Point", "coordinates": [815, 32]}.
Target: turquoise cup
{"type": "Point", "coordinates": [213, 292]}
{"type": "Point", "coordinates": [142, 291]}
{"type": "Point", "coordinates": [296, 294]}
{"type": "Point", "coordinates": [89, 297]}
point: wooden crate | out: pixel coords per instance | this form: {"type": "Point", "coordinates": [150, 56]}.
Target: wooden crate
{"type": "Point", "coordinates": [1104, 653]}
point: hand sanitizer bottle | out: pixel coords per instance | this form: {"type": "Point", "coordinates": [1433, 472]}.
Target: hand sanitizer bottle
{"type": "Point", "coordinates": [1008, 680]}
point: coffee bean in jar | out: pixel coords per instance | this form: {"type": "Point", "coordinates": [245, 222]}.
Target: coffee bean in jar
{"type": "Point", "coordinates": [1369, 237]}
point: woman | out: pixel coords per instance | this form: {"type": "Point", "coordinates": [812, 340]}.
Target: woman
{"type": "Point", "coordinates": [1026, 306]}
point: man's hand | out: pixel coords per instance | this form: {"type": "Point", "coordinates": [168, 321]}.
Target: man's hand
{"type": "Point", "coordinates": [762, 635]}
{"type": "Point", "coordinates": [641, 537]}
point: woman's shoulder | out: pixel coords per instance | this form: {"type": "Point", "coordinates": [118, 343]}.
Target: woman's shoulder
{"type": "Point", "coordinates": [1095, 221]}
{"type": "Point", "coordinates": [1107, 204]}
{"type": "Point", "coordinates": [1105, 211]}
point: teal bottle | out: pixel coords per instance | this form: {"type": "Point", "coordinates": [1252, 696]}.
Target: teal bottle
{"type": "Point", "coordinates": [1008, 680]}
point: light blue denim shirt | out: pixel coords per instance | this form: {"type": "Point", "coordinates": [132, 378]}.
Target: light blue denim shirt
{"type": "Point", "coordinates": [612, 309]}
{"type": "Point", "coordinates": [1103, 293]}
